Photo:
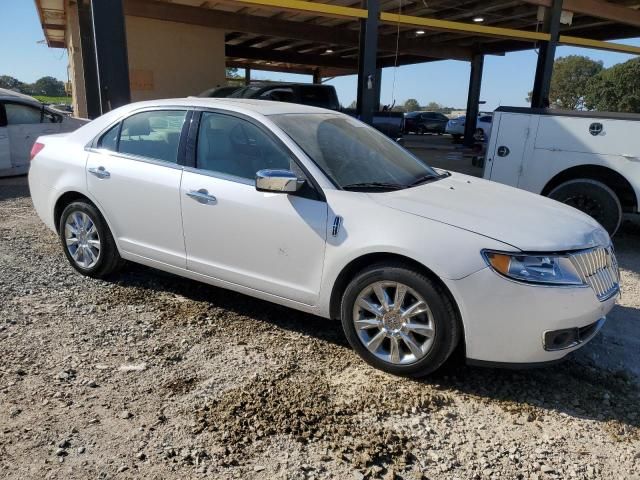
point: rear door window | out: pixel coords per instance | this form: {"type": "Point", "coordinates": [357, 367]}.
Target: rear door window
{"type": "Point", "coordinates": [154, 134]}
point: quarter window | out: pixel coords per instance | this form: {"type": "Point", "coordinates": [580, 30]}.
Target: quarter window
{"type": "Point", "coordinates": [109, 140]}
{"type": "Point", "coordinates": [154, 134]}
{"type": "Point", "coordinates": [233, 146]}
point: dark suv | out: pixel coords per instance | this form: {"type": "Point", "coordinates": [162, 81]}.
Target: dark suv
{"type": "Point", "coordinates": [425, 122]}
{"type": "Point", "coordinates": [323, 96]}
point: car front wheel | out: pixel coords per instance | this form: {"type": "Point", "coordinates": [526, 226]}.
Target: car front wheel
{"type": "Point", "coordinates": [399, 320]}
{"type": "Point", "coordinates": [87, 241]}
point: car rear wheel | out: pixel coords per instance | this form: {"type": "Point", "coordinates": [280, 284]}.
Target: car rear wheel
{"type": "Point", "coordinates": [87, 241]}
{"type": "Point", "coordinates": [593, 198]}
{"type": "Point", "coordinates": [399, 320]}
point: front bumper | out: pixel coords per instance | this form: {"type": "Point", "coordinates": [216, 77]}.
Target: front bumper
{"type": "Point", "coordinates": [506, 322]}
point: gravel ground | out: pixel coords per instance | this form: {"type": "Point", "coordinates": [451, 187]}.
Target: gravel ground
{"type": "Point", "coordinates": [150, 375]}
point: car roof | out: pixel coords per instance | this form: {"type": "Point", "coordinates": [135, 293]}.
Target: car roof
{"type": "Point", "coordinates": [263, 107]}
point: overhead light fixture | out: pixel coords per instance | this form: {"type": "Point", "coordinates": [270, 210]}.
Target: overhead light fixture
{"type": "Point", "coordinates": [478, 19]}
{"type": "Point", "coordinates": [328, 50]}
{"type": "Point", "coordinates": [419, 32]}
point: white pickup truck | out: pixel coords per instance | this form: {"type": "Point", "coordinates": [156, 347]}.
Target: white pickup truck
{"type": "Point", "coordinates": [588, 160]}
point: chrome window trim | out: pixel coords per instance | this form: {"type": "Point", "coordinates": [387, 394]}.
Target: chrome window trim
{"type": "Point", "coordinates": [220, 176]}
{"type": "Point", "coordinates": [137, 158]}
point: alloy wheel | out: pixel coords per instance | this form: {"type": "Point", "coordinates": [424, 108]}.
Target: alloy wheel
{"type": "Point", "coordinates": [82, 239]}
{"type": "Point", "coordinates": [394, 322]}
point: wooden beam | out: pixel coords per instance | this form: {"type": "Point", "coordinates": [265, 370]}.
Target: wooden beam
{"type": "Point", "coordinates": [597, 8]}
{"type": "Point", "coordinates": [324, 9]}
{"type": "Point", "coordinates": [288, 57]}
{"type": "Point", "coordinates": [233, 22]}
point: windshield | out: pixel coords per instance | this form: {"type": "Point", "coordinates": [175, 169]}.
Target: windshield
{"type": "Point", "coordinates": [353, 154]}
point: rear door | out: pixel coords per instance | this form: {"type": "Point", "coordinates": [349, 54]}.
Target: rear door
{"type": "Point", "coordinates": [25, 123]}
{"type": "Point", "coordinates": [505, 156]}
{"type": "Point", "coordinates": [134, 174]}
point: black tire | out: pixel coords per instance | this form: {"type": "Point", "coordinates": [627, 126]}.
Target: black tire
{"type": "Point", "coordinates": [108, 259]}
{"type": "Point", "coordinates": [593, 198]}
{"type": "Point", "coordinates": [447, 326]}
{"type": "Point", "coordinates": [456, 137]}
{"type": "Point", "coordinates": [422, 131]}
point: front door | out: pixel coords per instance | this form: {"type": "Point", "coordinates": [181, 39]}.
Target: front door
{"type": "Point", "coordinates": [269, 242]}
{"type": "Point", "coordinates": [134, 175]}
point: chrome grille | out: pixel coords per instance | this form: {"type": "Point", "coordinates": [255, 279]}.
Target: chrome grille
{"type": "Point", "coordinates": [598, 268]}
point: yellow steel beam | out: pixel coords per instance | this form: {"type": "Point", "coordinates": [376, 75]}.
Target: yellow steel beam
{"type": "Point", "coordinates": [461, 27]}
{"type": "Point", "coordinates": [311, 7]}
{"type": "Point", "coordinates": [599, 45]}
{"type": "Point", "coordinates": [324, 9]}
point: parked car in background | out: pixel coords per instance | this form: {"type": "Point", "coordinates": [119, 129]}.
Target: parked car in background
{"type": "Point", "coordinates": [588, 160]}
{"type": "Point", "coordinates": [323, 96]}
{"type": "Point", "coordinates": [425, 122]}
{"type": "Point", "coordinates": [455, 127]}
{"type": "Point", "coordinates": [220, 92]}
{"type": "Point", "coordinates": [312, 209]}
{"type": "Point", "coordinates": [22, 120]}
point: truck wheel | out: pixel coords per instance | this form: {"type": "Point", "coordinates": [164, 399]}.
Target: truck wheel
{"type": "Point", "coordinates": [593, 198]}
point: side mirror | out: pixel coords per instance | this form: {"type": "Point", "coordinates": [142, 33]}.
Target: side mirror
{"type": "Point", "coordinates": [278, 181]}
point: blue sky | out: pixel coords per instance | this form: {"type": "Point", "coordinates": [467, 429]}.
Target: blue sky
{"type": "Point", "coordinates": [506, 79]}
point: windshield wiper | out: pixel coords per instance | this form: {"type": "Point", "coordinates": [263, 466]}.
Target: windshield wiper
{"type": "Point", "coordinates": [376, 185]}
{"type": "Point", "coordinates": [427, 178]}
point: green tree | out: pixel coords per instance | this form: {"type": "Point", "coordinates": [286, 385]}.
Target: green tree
{"type": "Point", "coordinates": [616, 89]}
{"type": "Point", "coordinates": [411, 105]}
{"type": "Point", "coordinates": [433, 107]}
{"type": "Point", "coordinates": [569, 81]}
{"type": "Point", "coordinates": [232, 72]}
{"type": "Point", "coordinates": [11, 83]}
{"type": "Point", "coordinates": [48, 86]}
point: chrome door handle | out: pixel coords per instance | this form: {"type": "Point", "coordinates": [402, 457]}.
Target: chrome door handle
{"type": "Point", "coordinates": [99, 172]}
{"type": "Point", "coordinates": [201, 196]}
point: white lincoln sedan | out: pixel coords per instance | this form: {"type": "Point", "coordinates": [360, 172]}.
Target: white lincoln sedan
{"type": "Point", "coordinates": [314, 210]}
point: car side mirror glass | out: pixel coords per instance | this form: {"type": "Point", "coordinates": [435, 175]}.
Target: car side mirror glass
{"type": "Point", "coordinates": [278, 181]}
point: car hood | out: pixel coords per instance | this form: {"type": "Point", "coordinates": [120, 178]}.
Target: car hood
{"type": "Point", "coordinates": [521, 219]}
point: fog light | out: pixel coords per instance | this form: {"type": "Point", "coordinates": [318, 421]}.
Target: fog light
{"type": "Point", "coordinates": [561, 339]}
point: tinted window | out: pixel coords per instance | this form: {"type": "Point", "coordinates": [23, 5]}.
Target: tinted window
{"type": "Point", "coordinates": [109, 140]}
{"type": "Point", "coordinates": [278, 95]}
{"type": "Point", "coordinates": [153, 134]}
{"type": "Point", "coordinates": [318, 96]}
{"type": "Point", "coordinates": [233, 146]}
{"type": "Point", "coordinates": [486, 118]}
{"type": "Point", "coordinates": [22, 114]}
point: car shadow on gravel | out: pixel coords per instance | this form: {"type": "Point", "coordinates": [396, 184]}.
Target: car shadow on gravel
{"type": "Point", "coordinates": [576, 387]}
{"type": "Point", "coordinates": [243, 305]}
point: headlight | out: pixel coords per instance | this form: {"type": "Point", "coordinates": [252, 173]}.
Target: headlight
{"type": "Point", "coordinates": [538, 269]}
